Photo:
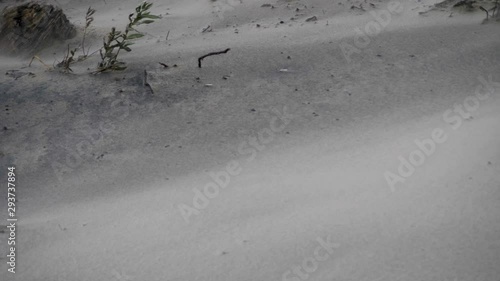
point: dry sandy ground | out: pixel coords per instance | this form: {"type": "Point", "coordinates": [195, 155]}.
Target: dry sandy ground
{"type": "Point", "coordinates": [107, 171]}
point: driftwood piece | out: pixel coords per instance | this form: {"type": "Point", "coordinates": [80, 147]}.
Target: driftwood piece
{"type": "Point", "coordinates": [211, 54]}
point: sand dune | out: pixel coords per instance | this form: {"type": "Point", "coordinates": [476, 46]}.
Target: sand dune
{"type": "Point", "coordinates": [290, 142]}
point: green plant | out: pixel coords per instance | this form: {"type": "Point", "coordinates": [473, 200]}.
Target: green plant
{"type": "Point", "coordinates": [88, 21]}
{"type": "Point", "coordinates": [118, 40]}
{"type": "Point", "coordinates": [69, 58]}
{"type": "Point", "coordinates": [496, 10]}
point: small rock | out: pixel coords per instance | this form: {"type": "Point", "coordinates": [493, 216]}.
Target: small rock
{"type": "Point", "coordinates": [221, 253]}
{"type": "Point", "coordinates": [313, 18]}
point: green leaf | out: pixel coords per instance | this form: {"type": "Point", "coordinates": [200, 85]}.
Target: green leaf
{"type": "Point", "coordinates": [135, 36]}
{"type": "Point", "coordinates": [119, 68]}
{"type": "Point", "coordinates": [146, 22]}
{"type": "Point", "coordinates": [151, 17]}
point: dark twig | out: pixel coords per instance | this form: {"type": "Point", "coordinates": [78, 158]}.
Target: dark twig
{"type": "Point", "coordinates": [208, 28]}
{"type": "Point", "coordinates": [486, 11]}
{"type": "Point", "coordinates": [145, 82]}
{"type": "Point", "coordinates": [211, 54]}
{"type": "Point", "coordinates": [163, 64]}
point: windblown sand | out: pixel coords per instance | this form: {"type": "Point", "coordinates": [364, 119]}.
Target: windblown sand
{"type": "Point", "coordinates": [107, 168]}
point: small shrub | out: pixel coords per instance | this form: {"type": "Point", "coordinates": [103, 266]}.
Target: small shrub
{"type": "Point", "coordinates": [118, 40]}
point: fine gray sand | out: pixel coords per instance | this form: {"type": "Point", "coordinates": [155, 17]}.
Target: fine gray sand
{"type": "Point", "coordinates": [292, 143]}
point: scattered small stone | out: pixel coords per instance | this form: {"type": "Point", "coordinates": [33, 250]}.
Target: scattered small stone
{"type": "Point", "coordinates": [359, 8]}
{"type": "Point", "coordinates": [221, 253]}
{"type": "Point", "coordinates": [5, 128]}
{"type": "Point", "coordinates": [252, 110]}
{"type": "Point", "coordinates": [209, 85]}
{"type": "Point", "coordinates": [289, 57]}
{"type": "Point", "coordinates": [16, 74]}
{"type": "Point", "coordinates": [283, 70]}
{"type": "Point", "coordinates": [489, 162]}
{"type": "Point", "coordinates": [266, 5]}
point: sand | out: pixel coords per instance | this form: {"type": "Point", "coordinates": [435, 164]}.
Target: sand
{"type": "Point", "coordinates": [291, 142]}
